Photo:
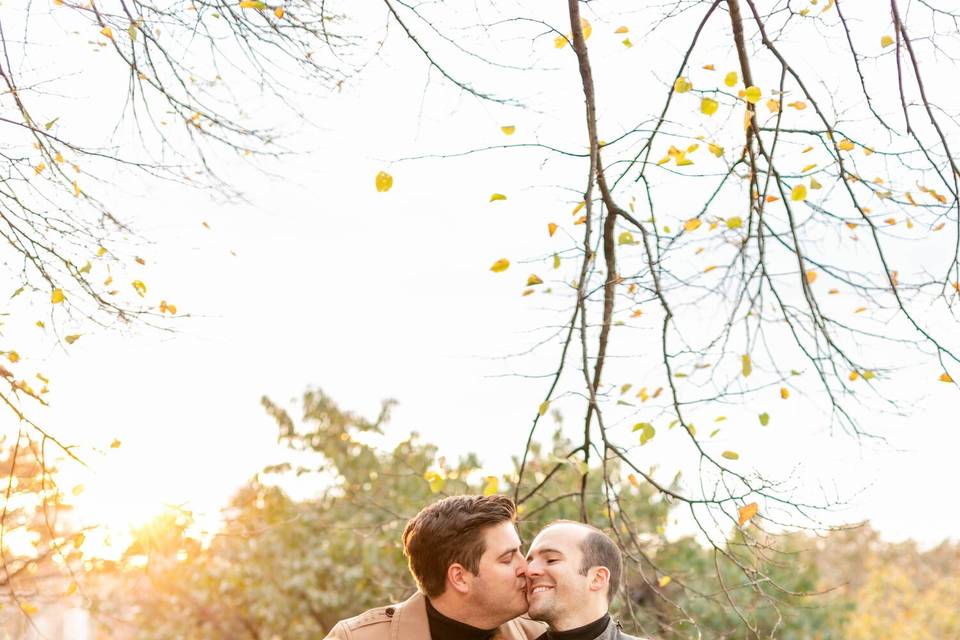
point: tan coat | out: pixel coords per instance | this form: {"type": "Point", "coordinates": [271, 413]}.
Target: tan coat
{"type": "Point", "coordinates": [408, 621]}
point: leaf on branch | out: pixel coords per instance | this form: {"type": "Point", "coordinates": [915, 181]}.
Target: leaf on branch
{"type": "Point", "coordinates": [627, 43]}
{"type": "Point", "coordinates": [731, 79]}
{"type": "Point", "coordinates": [577, 208]}
{"type": "Point", "coordinates": [252, 4]}
{"type": "Point", "coordinates": [622, 29]}
{"type": "Point", "coordinates": [139, 287]}
{"type": "Point", "coordinates": [625, 237]}
{"type": "Point", "coordinates": [746, 367]}
{"type": "Point", "coordinates": [773, 105]}
{"type": "Point", "coordinates": [72, 338]}
{"type": "Point", "coordinates": [533, 280]}
{"type": "Point", "coordinates": [692, 224]}
{"type": "Point", "coordinates": [810, 276]}
{"type": "Point", "coordinates": [798, 193]}
{"type": "Point", "coordinates": [945, 377]}
{"type": "Point", "coordinates": [799, 105]}
{"type": "Point", "coordinates": [753, 94]}
{"type": "Point", "coordinates": [435, 480]}
{"type": "Point", "coordinates": [715, 149]}
{"type": "Point", "coordinates": [708, 106]}
{"type": "Point", "coordinates": [556, 261]}
{"type": "Point", "coordinates": [845, 145]}
{"type": "Point", "coordinates": [279, 12]}
{"type": "Point", "coordinates": [383, 180]}
{"type": "Point", "coordinates": [543, 408]}
{"type": "Point", "coordinates": [107, 32]}
{"type": "Point", "coordinates": [500, 265]}
{"type": "Point", "coordinates": [56, 296]}
{"type": "Point", "coordinates": [886, 41]}
{"type": "Point", "coordinates": [682, 85]}
{"type": "Point", "coordinates": [746, 512]}
{"type": "Point", "coordinates": [28, 609]}
{"type": "Point", "coordinates": [646, 432]}
{"type": "Point", "coordinates": [731, 455]}
{"type": "Point", "coordinates": [551, 228]}
{"type": "Point", "coordinates": [814, 184]}
{"type": "Point", "coordinates": [734, 222]}
{"type": "Point", "coordinates": [664, 581]}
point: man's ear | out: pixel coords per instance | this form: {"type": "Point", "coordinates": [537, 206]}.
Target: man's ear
{"type": "Point", "coordinates": [458, 578]}
{"type": "Point", "coordinates": [599, 578]}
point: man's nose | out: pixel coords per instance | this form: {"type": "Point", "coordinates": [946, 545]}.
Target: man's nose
{"type": "Point", "coordinates": [533, 569]}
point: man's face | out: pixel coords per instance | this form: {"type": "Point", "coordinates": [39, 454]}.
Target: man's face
{"type": "Point", "coordinates": [499, 587]}
{"type": "Point", "coordinates": [555, 588]}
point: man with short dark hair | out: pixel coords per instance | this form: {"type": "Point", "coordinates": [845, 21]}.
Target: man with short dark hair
{"type": "Point", "coordinates": [573, 574]}
{"type": "Point", "coordinates": [464, 553]}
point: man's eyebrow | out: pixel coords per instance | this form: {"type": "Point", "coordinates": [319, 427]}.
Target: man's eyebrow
{"type": "Point", "coordinates": [510, 551]}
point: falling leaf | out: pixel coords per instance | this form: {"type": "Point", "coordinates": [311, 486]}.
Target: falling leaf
{"type": "Point", "coordinates": [664, 581]}
{"type": "Point", "coordinates": [945, 377]}
{"type": "Point", "coordinates": [56, 297]}
{"type": "Point", "coordinates": [764, 419]}
{"type": "Point", "coordinates": [646, 431]}
{"type": "Point", "coordinates": [625, 237]}
{"type": "Point", "coordinates": [746, 512]}
{"type": "Point", "coordinates": [627, 43]}
{"type": "Point", "coordinates": [753, 94]}
{"type": "Point", "coordinates": [708, 106]}
{"type": "Point", "coordinates": [279, 12]}
{"type": "Point", "coordinates": [886, 41]}
{"type": "Point", "coordinates": [508, 129]}
{"type": "Point", "coordinates": [730, 79]}
{"type": "Point", "coordinates": [383, 181]}
{"type": "Point", "coordinates": [40, 324]}
{"type": "Point", "coordinates": [551, 229]}
{"type": "Point", "coordinates": [746, 367]}
{"type": "Point", "coordinates": [731, 455]}
{"type": "Point", "coordinates": [500, 265]}
{"type": "Point", "coordinates": [72, 338]}
{"type": "Point", "coordinates": [140, 287]}
{"type": "Point", "coordinates": [115, 444]}
{"type": "Point", "coordinates": [497, 196]}
{"type": "Point", "coordinates": [681, 85]}
{"type": "Point", "coordinates": [845, 145]}
{"type": "Point", "coordinates": [784, 393]}
{"type": "Point", "coordinates": [534, 280]}
{"type": "Point", "coordinates": [692, 224]}
{"type": "Point", "coordinates": [491, 486]}
{"type": "Point", "coordinates": [798, 193]}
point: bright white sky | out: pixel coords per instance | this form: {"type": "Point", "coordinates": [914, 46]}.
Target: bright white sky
{"type": "Point", "coordinates": [370, 295]}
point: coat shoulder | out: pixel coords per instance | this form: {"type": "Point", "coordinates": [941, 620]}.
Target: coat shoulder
{"type": "Point", "coordinates": [373, 624]}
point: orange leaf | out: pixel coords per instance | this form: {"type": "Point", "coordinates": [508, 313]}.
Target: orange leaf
{"type": "Point", "coordinates": [945, 377]}
{"type": "Point", "coordinates": [746, 512]}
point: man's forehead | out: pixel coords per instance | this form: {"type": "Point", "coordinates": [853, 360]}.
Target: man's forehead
{"type": "Point", "coordinates": [502, 536]}
{"type": "Point", "coordinates": [564, 537]}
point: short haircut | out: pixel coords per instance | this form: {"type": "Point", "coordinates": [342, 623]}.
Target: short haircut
{"type": "Point", "coordinates": [451, 531]}
{"type": "Point", "coordinates": [599, 551]}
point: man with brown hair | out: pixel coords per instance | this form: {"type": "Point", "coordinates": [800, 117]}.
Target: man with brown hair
{"type": "Point", "coordinates": [464, 553]}
{"type": "Point", "coordinates": [573, 574]}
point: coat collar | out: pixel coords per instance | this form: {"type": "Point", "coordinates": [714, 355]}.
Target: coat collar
{"type": "Point", "coordinates": [410, 622]}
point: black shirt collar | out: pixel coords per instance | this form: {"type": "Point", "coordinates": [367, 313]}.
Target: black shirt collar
{"type": "Point", "coordinates": [586, 632]}
{"type": "Point", "coordinates": [444, 628]}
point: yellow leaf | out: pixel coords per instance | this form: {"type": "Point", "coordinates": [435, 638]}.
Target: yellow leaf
{"type": "Point", "coordinates": [491, 486]}
{"type": "Point", "coordinates": [810, 276]}
{"type": "Point", "coordinates": [753, 94]}
{"type": "Point", "coordinates": [115, 444]}
{"type": "Point", "coordinates": [684, 161]}
{"type": "Point", "coordinates": [808, 168]}
{"type": "Point", "coordinates": [746, 512]}
{"type": "Point", "coordinates": [58, 157]}
{"type": "Point", "coordinates": [734, 222]}
{"type": "Point", "coordinates": [682, 85]}
{"type": "Point", "coordinates": [692, 224]}
{"type": "Point", "coordinates": [40, 324]}
{"type": "Point", "coordinates": [747, 119]}
{"type": "Point", "coordinates": [28, 609]}
{"type": "Point", "coordinates": [627, 43]}
{"type": "Point", "coordinates": [799, 105]}
{"type": "Point", "coordinates": [533, 280]}
{"type": "Point", "coordinates": [577, 208]}
{"type": "Point", "coordinates": [560, 42]}
{"type": "Point", "coordinates": [77, 490]}
{"type": "Point", "coordinates": [85, 268]}
{"type": "Point", "coordinates": [580, 220]}
{"type": "Point", "coordinates": [945, 377]}
{"type": "Point", "coordinates": [664, 581]}
{"type": "Point", "coordinates": [764, 419]}
{"type": "Point", "coordinates": [853, 375]}
{"type": "Point", "coordinates": [100, 252]}
{"type": "Point", "coordinates": [556, 261]}
{"type": "Point", "coordinates": [107, 32]}
{"type": "Point", "coordinates": [859, 309]}
{"type": "Point", "coordinates": [252, 4]}
{"type": "Point", "coordinates": [746, 366]}
{"type": "Point", "coordinates": [56, 297]}
{"type": "Point", "coordinates": [784, 393]}
{"type": "Point", "coordinates": [140, 287]}
{"type": "Point", "coordinates": [552, 228]}
{"type": "Point", "coordinates": [709, 106]}
{"type": "Point", "coordinates": [279, 12]}
{"type": "Point", "coordinates": [799, 193]}
{"type": "Point", "coordinates": [814, 184]}
{"type": "Point", "coordinates": [731, 455]}
{"type": "Point", "coordinates": [72, 589]}
{"type": "Point", "coordinates": [886, 41]}
{"type": "Point", "coordinates": [586, 27]}
{"type": "Point", "coordinates": [383, 181]}
{"type": "Point", "coordinates": [773, 105]}
{"type": "Point", "coordinates": [108, 281]}
{"type": "Point", "coordinates": [730, 79]}
{"type": "Point", "coordinates": [72, 338]}
{"type": "Point", "coordinates": [715, 149]}
{"type": "Point", "coordinates": [40, 167]}
{"type": "Point", "coordinates": [845, 145]}
{"type": "Point", "coordinates": [710, 268]}
{"type": "Point", "coordinates": [772, 198]}
{"type": "Point", "coordinates": [497, 196]}
{"type": "Point", "coordinates": [869, 375]}
{"type": "Point", "coordinates": [436, 481]}
{"type": "Point", "coordinates": [13, 356]}
{"type": "Point", "coordinates": [625, 237]}
{"type": "Point", "coordinates": [633, 480]}
{"type": "Point", "coordinates": [508, 129]}
{"type": "Point", "coordinates": [500, 265]}
{"type": "Point", "coordinates": [544, 407]}
{"type": "Point", "coordinates": [622, 30]}
{"type": "Point", "coordinates": [646, 432]}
